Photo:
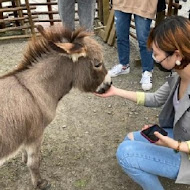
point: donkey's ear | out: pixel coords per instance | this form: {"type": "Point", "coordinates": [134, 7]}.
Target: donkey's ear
{"type": "Point", "coordinates": [75, 50]}
{"type": "Point", "coordinates": [41, 30]}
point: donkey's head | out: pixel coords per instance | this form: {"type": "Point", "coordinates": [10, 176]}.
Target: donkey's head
{"type": "Point", "coordinates": [84, 53]}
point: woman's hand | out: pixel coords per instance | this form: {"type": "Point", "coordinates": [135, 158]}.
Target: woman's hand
{"type": "Point", "coordinates": [110, 92]}
{"type": "Point", "coordinates": [171, 143]}
{"type": "Point", "coordinates": [113, 91]}
{"type": "Point", "coordinates": [166, 141]}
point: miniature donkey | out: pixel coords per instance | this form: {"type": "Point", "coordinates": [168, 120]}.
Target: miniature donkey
{"type": "Point", "coordinates": [52, 65]}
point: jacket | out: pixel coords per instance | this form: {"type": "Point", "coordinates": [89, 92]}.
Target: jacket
{"type": "Point", "coordinates": [145, 8]}
{"type": "Point", "coordinates": [179, 120]}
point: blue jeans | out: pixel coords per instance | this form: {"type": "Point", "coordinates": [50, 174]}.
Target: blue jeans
{"type": "Point", "coordinates": [122, 23]}
{"type": "Point", "coordinates": [86, 11]}
{"type": "Point", "coordinates": [144, 161]}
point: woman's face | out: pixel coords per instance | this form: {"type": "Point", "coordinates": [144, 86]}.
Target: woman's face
{"type": "Point", "coordinates": [167, 61]}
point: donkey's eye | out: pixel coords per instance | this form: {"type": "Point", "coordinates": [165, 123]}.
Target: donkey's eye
{"type": "Point", "coordinates": [97, 65]}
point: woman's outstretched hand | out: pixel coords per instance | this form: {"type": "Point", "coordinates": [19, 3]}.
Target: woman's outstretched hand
{"type": "Point", "coordinates": [108, 93]}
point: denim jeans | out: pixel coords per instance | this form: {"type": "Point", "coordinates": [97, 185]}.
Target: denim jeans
{"type": "Point", "coordinates": [144, 161]}
{"type": "Point", "coordinates": [86, 11]}
{"type": "Point", "coordinates": [122, 23]}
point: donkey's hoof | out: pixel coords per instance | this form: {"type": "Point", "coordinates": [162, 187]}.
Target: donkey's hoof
{"type": "Point", "coordinates": [43, 185]}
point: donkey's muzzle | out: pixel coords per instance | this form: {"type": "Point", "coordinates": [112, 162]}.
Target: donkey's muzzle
{"type": "Point", "coordinates": [106, 84]}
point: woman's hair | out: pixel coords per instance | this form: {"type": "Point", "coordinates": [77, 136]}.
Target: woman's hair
{"type": "Point", "coordinates": [173, 33]}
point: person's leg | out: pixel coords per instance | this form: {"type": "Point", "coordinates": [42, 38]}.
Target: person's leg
{"type": "Point", "coordinates": [67, 13]}
{"type": "Point", "coordinates": [143, 29]}
{"type": "Point", "coordinates": [86, 11]}
{"type": "Point", "coordinates": [122, 24]}
{"type": "Point", "coordinates": [142, 26]}
{"type": "Point", "coordinates": [144, 161]}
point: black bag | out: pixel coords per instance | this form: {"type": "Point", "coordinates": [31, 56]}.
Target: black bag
{"type": "Point", "coordinates": [161, 6]}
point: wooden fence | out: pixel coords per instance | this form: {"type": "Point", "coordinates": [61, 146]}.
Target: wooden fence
{"type": "Point", "coordinates": [13, 20]}
{"type": "Point", "coordinates": [18, 20]}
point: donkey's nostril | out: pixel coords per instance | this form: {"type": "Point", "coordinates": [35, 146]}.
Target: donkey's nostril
{"type": "Point", "coordinates": [106, 84]}
{"type": "Point", "coordinates": [104, 89]}
{"type": "Point", "coordinates": [101, 91]}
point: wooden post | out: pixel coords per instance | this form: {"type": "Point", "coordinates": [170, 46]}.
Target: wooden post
{"type": "Point", "coordinates": [109, 26]}
{"type": "Point", "coordinates": [159, 17]}
{"type": "Point", "coordinates": [170, 8]}
{"type": "Point", "coordinates": [15, 12]}
{"type": "Point", "coordinates": [106, 11]}
{"type": "Point", "coordinates": [50, 14]}
{"type": "Point", "coordinates": [112, 36]}
{"type": "Point", "coordinates": [20, 14]}
{"type": "Point", "coordinates": [2, 25]}
{"type": "Point", "coordinates": [100, 10]}
{"type": "Point", "coordinates": [30, 17]}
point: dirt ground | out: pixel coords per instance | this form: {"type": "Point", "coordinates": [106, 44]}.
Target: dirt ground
{"type": "Point", "coordinates": [78, 151]}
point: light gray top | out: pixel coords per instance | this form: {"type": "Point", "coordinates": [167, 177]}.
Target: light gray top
{"type": "Point", "coordinates": [179, 120]}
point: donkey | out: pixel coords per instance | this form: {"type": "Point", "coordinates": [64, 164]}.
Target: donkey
{"type": "Point", "coordinates": [53, 64]}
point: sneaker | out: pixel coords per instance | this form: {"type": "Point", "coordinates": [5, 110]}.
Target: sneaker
{"type": "Point", "coordinates": [146, 80]}
{"type": "Point", "coordinates": [119, 70]}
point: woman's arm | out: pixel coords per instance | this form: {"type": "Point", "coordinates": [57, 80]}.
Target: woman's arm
{"type": "Point", "coordinates": [171, 143]}
{"type": "Point", "coordinates": [113, 91]}
{"type": "Point", "coordinates": [155, 99]}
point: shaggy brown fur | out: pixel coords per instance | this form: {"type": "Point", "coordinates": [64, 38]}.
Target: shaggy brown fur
{"type": "Point", "coordinates": [29, 95]}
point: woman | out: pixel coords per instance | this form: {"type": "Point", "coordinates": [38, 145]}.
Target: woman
{"type": "Point", "coordinates": [169, 156]}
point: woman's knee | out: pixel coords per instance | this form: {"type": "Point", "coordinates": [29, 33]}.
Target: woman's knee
{"type": "Point", "coordinates": [130, 136]}
{"type": "Point", "coordinates": [123, 150]}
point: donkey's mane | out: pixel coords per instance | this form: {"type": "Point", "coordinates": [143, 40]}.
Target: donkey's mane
{"type": "Point", "coordinates": [42, 45]}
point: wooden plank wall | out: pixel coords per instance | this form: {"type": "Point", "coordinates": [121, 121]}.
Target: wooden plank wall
{"type": "Point", "coordinates": [13, 23]}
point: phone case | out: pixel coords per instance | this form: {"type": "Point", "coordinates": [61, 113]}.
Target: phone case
{"type": "Point", "coordinates": [147, 138]}
{"type": "Point", "coordinates": [149, 133]}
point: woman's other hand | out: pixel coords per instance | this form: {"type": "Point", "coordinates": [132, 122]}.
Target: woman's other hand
{"type": "Point", "coordinates": [165, 141]}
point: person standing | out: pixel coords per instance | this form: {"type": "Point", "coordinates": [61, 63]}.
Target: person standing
{"type": "Point", "coordinates": [143, 11]}
{"type": "Point", "coordinates": [86, 11]}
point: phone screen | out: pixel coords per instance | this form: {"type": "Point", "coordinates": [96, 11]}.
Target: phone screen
{"type": "Point", "coordinates": [149, 133]}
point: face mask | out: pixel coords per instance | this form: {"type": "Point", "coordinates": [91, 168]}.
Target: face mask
{"type": "Point", "coordinates": [159, 63]}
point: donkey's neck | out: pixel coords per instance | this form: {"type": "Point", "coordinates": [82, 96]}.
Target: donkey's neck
{"type": "Point", "coordinates": [49, 79]}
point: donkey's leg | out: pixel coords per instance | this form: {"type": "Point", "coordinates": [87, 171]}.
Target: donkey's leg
{"type": "Point", "coordinates": [33, 152]}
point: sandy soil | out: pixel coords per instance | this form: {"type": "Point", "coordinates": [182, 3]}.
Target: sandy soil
{"type": "Point", "coordinates": [78, 151]}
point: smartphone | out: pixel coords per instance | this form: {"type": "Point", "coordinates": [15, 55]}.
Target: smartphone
{"type": "Point", "coordinates": [149, 133]}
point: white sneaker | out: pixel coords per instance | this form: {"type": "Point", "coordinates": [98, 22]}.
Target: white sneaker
{"type": "Point", "coordinates": [119, 70]}
{"type": "Point", "coordinates": [146, 80]}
